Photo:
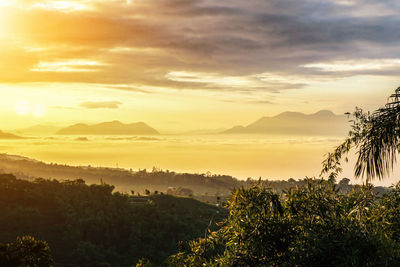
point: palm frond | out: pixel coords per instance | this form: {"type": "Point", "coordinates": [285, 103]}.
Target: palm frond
{"type": "Point", "coordinates": [376, 137]}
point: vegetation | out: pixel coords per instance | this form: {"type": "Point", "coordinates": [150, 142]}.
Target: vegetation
{"type": "Point", "coordinates": [313, 225]}
{"type": "Point", "coordinates": [89, 225]}
{"type": "Point", "coordinates": [205, 187]}
{"type": "Point", "coordinates": [376, 138]}
{"type": "Point", "coordinates": [124, 180]}
{"type": "Point", "coordinates": [319, 223]}
{"type": "Point", "coordinates": [26, 251]}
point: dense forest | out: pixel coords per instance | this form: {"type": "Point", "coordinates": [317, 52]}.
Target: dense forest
{"type": "Point", "coordinates": [90, 225]}
{"type": "Point", "coordinates": [319, 223]}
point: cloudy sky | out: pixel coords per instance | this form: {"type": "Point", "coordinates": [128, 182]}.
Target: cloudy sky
{"type": "Point", "coordinates": [188, 64]}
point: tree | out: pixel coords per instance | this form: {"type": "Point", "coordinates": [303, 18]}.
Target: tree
{"type": "Point", "coordinates": [144, 263]}
{"type": "Point", "coordinates": [376, 138]}
{"type": "Point", "coordinates": [344, 182]}
{"type": "Point", "coordinates": [26, 251]}
{"type": "Point", "coordinates": [312, 225]}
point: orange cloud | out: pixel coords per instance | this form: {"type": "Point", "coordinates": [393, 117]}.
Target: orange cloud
{"type": "Point", "coordinates": [100, 104]}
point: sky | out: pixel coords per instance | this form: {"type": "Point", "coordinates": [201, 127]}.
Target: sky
{"type": "Point", "coordinates": [193, 64]}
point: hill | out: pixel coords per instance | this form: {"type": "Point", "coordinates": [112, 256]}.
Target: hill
{"type": "Point", "coordinates": [109, 128]}
{"type": "Point", "coordinates": [323, 122]}
{"type": "Point", "coordinates": [124, 180]}
{"type": "Point", "coordinates": [4, 135]}
{"type": "Point", "coordinates": [205, 187]}
{"type": "Point", "coordinates": [92, 226]}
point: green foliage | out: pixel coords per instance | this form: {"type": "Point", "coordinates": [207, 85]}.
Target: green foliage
{"type": "Point", "coordinates": [92, 226]}
{"type": "Point", "coordinates": [25, 251]}
{"type": "Point", "coordinates": [144, 263]}
{"type": "Point", "coordinates": [314, 225]}
{"type": "Point", "coordinates": [376, 138]}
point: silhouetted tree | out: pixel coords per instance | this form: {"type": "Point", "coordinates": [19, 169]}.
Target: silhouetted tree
{"type": "Point", "coordinates": [375, 137]}
{"type": "Point", "coordinates": [344, 182]}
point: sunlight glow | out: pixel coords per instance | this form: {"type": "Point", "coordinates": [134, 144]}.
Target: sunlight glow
{"type": "Point", "coordinates": [67, 66]}
{"type": "Point", "coordinates": [355, 65]}
{"type": "Point", "coordinates": [4, 17]}
{"type": "Point", "coordinates": [211, 78]}
{"type": "Point", "coordinates": [250, 81]}
{"type": "Point", "coordinates": [61, 5]}
{"type": "Point", "coordinates": [22, 108]}
{"type": "Point", "coordinates": [4, 3]}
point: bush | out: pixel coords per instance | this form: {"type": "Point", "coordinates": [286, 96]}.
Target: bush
{"type": "Point", "coordinates": [25, 251]}
{"type": "Point", "coordinates": [314, 225]}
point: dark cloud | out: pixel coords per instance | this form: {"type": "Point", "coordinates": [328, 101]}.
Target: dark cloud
{"type": "Point", "coordinates": [100, 104]}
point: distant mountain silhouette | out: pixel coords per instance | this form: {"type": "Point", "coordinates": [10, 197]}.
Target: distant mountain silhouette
{"type": "Point", "coordinates": [323, 122]}
{"type": "Point", "coordinates": [4, 135]}
{"type": "Point", "coordinates": [109, 128]}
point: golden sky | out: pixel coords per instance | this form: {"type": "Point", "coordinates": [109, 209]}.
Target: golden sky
{"type": "Point", "coordinates": [191, 64]}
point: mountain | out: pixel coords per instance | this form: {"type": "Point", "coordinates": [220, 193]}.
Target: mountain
{"type": "Point", "coordinates": [16, 158]}
{"type": "Point", "coordinates": [109, 128]}
{"type": "Point", "coordinates": [323, 122]}
{"type": "Point", "coordinates": [4, 135]}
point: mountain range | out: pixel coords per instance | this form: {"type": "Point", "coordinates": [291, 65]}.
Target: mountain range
{"type": "Point", "coordinates": [323, 122]}
{"type": "Point", "coordinates": [109, 128]}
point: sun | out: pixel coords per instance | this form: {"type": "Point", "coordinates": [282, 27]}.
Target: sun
{"type": "Point", "coordinates": [22, 108]}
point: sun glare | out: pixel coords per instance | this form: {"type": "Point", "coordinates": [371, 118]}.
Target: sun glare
{"type": "Point", "coordinates": [22, 108]}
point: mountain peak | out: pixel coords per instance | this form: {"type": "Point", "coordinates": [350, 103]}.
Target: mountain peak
{"type": "Point", "coordinates": [323, 122]}
{"type": "Point", "coordinates": [290, 114]}
{"type": "Point", "coordinates": [324, 112]}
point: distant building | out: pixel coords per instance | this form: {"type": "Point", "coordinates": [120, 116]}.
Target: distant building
{"type": "Point", "coordinates": [171, 191]}
{"type": "Point", "coordinates": [180, 191]}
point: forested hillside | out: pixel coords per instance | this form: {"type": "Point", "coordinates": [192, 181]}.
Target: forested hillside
{"type": "Point", "coordinates": [204, 186]}
{"type": "Point", "coordinates": [89, 224]}
{"type": "Point", "coordinates": [317, 224]}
